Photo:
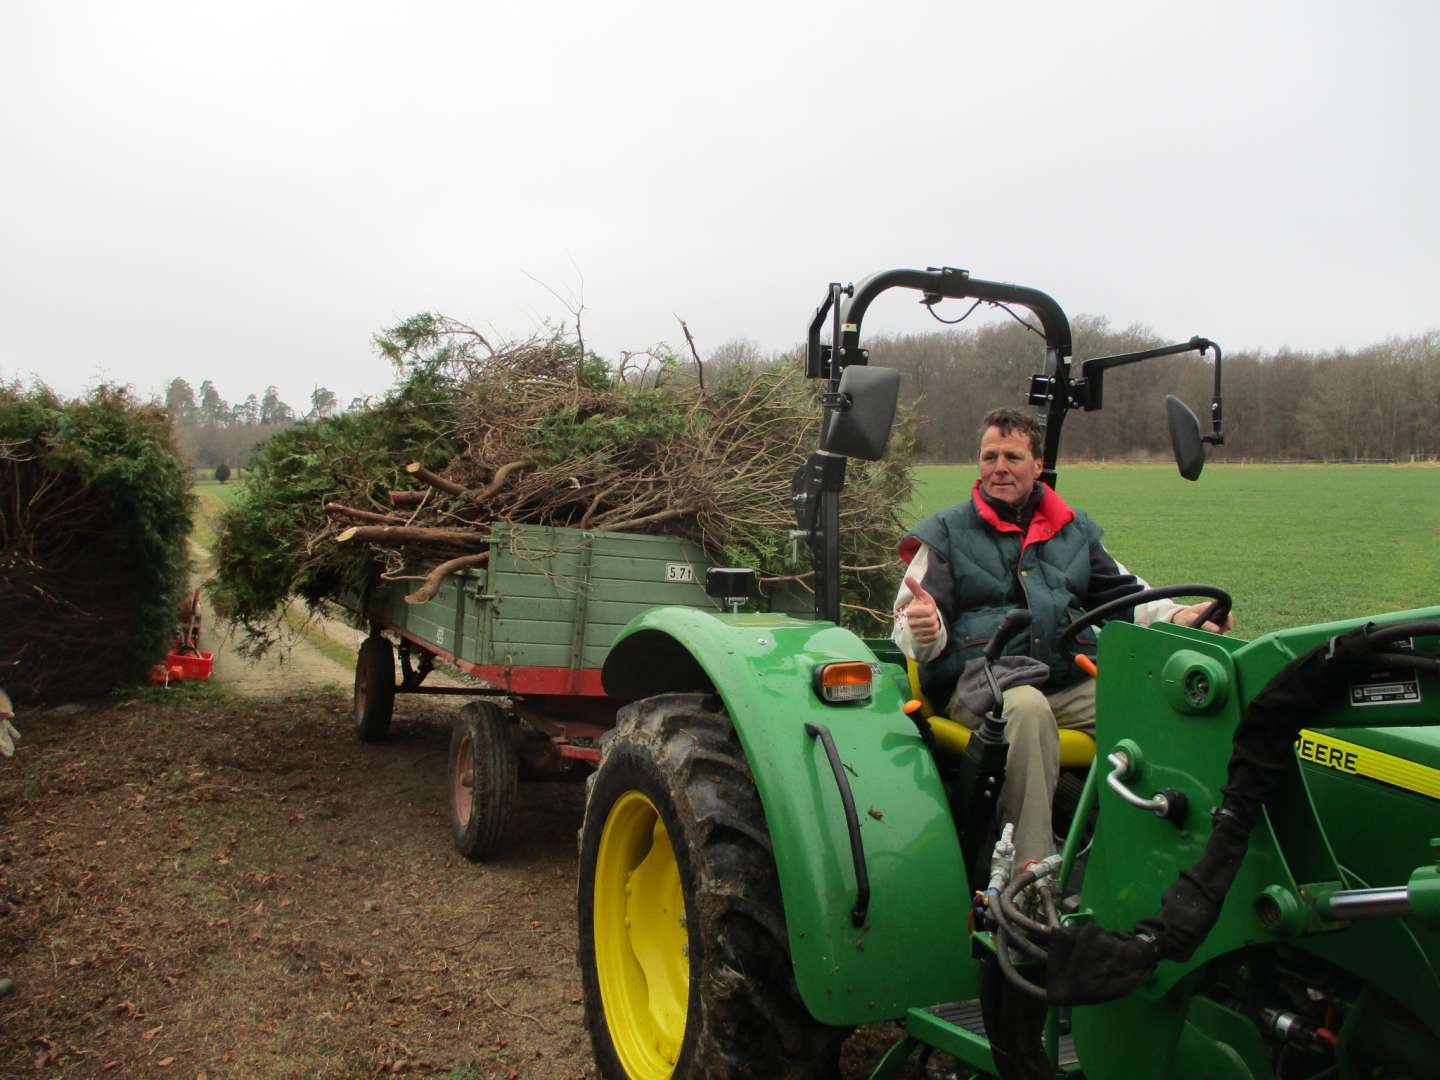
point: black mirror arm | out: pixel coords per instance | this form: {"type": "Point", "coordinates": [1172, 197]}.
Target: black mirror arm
{"type": "Point", "coordinates": [1217, 425]}
{"type": "Point", "coordinates": [1090, 388]}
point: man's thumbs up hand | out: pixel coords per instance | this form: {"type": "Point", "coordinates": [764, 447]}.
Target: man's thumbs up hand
{"type": "Point", "coordinates": [921, 614]}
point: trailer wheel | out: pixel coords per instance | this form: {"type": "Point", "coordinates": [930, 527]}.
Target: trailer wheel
{"type": "Point", "coordinates": [483, 772]}
{"type": "Point", "coordinates": [374, 688]}
{"type": "Point", "coordinates": [684, 955]}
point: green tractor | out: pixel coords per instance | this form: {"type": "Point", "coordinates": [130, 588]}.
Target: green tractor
{"type": "Point", "coordinates": [779, 845]}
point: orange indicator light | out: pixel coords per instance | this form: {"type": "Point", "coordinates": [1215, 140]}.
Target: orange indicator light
{"type": "Point", "coordinates": [847, 681]}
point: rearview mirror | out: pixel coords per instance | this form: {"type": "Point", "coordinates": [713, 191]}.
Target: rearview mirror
{"type": "Point", "coordinates": [861, 428]}
{"type": "Point", "coordinates": [1185, 438]}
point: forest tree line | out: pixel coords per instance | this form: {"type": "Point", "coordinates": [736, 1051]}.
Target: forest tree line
{"type": "Point", "coordinates": [210, 431]}
{"type": "Point", "coordinates": [1379, 403]}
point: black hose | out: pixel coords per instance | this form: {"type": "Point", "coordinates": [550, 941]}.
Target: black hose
{"type": "Point", "coordinates": [1034, 951]}
{"type": "Point", "coordinates": [1382, 635]}
{"type": "Point", "coordinates": [1011, 914]}
{"type": "Point", "coordinates": [1386, 660]}
{"type": "Point", "coordinates": [1002, 954]}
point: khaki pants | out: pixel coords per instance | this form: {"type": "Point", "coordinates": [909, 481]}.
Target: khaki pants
{"type": "Point", "coordinates": [1032, 767]}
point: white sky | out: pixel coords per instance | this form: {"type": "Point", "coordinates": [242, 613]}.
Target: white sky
{"type": "Point", "coordinates": [246, 192]}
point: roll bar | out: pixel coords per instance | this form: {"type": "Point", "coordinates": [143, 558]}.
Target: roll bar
{"type": "Point", "coordinates": [1053, 391]}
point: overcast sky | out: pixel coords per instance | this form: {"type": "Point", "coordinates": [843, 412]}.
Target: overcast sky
{"type": "Point", "coordinates": [246, 192]}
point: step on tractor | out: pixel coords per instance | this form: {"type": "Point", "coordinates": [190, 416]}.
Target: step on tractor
{"type": "Point", "coordinates": [781, 843]}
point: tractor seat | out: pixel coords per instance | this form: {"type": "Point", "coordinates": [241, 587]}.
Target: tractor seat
{"type": "Point", "coordinates": [1077, 748]}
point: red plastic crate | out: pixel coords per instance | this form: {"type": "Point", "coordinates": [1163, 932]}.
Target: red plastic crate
{"type": "Point", "coordinates": [179, 666]}
{"type": "Point", "coordinates": [192, 665]}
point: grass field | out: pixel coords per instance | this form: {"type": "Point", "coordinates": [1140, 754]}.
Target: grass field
{"type": "Point", "coordinates": [213, 498]}
{"type": "Point", "coordinates": [1293, 545]}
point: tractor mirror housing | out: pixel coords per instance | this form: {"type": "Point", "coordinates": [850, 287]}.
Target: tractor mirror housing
{"type": "Point", "coordinates": [862, 411]}
{"type": "Point", "coordinates": [1185, 438]}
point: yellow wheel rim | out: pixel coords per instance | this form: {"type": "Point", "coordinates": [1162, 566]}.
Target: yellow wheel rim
{"type": "Point", "coordinates": [641, 945]}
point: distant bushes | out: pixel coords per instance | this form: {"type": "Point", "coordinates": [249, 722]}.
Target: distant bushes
{"type": "Point", "coordinates": [94, 514]}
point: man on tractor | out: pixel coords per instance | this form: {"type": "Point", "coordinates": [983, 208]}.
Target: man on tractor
{"type": "Point", "coordinates": [1015, 544]}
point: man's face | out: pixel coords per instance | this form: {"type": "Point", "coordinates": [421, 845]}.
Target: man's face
{"type": "Point", "coordinates": [1008, 467]}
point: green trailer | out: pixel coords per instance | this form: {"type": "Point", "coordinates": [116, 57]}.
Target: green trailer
{"type": "Point", "coordinates": [528, 633]}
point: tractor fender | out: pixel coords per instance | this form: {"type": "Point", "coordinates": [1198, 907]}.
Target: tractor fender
{"type": "Point", "coordinates": [912, 945]}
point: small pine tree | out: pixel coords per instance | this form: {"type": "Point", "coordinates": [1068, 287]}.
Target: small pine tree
{"type": "Point", "coordinates": [222, 472]}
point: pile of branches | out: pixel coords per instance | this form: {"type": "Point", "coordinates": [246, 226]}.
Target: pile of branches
{"type": "Point", "coordinates": [539, 431]}
{"type": "Point", "coordinates": [94, 514]}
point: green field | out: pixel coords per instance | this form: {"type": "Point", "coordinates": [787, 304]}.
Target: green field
{"type": "Point", "coordinates": [212, 499]}
{"type": "Point", "coordinates": [1293, 545]}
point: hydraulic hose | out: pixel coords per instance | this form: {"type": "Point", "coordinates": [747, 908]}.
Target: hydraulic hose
{"type": "Point", "coordinates": [1088, 965]}
{"type": "Point", "coordinates": [1008, 919]}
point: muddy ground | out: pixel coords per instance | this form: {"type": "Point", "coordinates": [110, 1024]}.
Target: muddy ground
{"type": "Point", "coordinates": [237, 887]}
{"type": "Point", "coordinates": [218, 880]}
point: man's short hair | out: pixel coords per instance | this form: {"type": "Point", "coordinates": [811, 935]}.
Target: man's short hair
{"type": "Point", "coordinates": [1010, 421]}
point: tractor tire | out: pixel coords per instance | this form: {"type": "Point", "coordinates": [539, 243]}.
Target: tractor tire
{"type": "Point", "coordinates": [374, 688]}
{"type": "Point", "coordinates": [484, 770]}
{"type": "Point", "coordinates": [684, 954]}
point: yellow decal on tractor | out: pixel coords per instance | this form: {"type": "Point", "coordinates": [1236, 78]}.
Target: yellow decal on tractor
{"type": "Point", "coordinates": [1347, 757]}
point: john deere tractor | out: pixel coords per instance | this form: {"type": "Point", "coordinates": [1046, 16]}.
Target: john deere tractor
{"type": "Point", "coordinates": [781, 843]}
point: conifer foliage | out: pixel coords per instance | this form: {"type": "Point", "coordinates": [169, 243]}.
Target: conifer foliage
{"type": "Point", "coordinates": [95, 510]}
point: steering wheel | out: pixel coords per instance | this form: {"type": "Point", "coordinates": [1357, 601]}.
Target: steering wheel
{"type": "Point", "coordinates": [1215, 613]}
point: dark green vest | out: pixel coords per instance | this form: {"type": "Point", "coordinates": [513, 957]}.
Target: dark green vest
{"type": "Point", "coordinates": [991, 576]}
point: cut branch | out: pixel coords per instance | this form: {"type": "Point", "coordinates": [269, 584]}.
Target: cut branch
{"type": "Point", "coordinates": [435, 480]}
{"type": "Point", "coordinates": [699, 367]}
{"type": "Point", "coordinates": [413, 534]}
{"type": "Point", "coordinates": [408, 500]}
{"type": "Point", "coordinates": [340, 510]}
{"type": "Point", "coordinates": [436, 577]}
{"type": "Point", "coordinates": [652, 519]}
{"type": "Point", "coordinates": [502, 474]}
{"type": "Point", "coordinates": [595, 504]}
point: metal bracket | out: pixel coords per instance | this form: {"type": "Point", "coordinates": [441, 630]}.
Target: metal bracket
{"type": "Point", "coordinates": [1168, 804]}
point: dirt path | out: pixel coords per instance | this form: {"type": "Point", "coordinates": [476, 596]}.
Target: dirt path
{"type": "Point", "coordinates": [301, 663]}
{"type": "Point", "coordinates": [239, 888]}
{"type": "Point", "coordinates": [218, 880]}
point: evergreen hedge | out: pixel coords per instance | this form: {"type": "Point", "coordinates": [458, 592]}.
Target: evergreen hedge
{"type": "Point", "coordinates": [95, 510]}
